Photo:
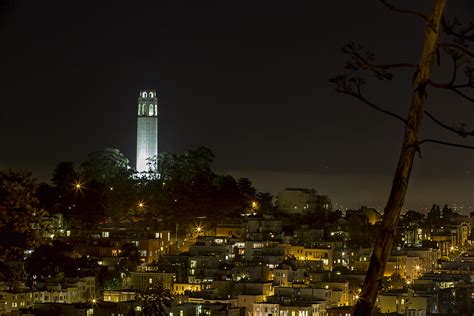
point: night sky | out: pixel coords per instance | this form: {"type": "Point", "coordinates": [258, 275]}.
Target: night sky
{"type": "Point", "coordinates": [248, 79]}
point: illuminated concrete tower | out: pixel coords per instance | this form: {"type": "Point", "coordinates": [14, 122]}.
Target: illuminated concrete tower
{"type": "Point", "coordinates": [147, 128]}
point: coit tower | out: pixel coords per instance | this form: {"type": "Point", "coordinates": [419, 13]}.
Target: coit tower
{"type": "Point", "coordinates": [147, 128]}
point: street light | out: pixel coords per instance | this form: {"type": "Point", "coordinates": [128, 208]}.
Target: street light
{"type": "Point", "coordinates": [78, 186]}
{"type": "Point", "coordinates": [199, 229]}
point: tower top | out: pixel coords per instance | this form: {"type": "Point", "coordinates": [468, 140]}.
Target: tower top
{"type": "Point", "coordinates": [147, 103]}
{"type": "Point", "coordinates": [147, 94]}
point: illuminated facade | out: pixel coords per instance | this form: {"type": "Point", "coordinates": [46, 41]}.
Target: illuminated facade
{"type": "Point", "coordinates": [147, 128]}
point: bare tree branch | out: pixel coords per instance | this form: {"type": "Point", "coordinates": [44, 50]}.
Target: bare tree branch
{"type": "Point", "coordinates": [456, 29]}
{"type": "Point", "coordinates": [363, 59]}
{"type": "Point", "coordinates": [469, 72]}
{"type": "Point", "coordinates": [372, 105]}
{"type": "Point", "coordinates": [459, 48]}
{"type": "Point", "coordinates": [455, 57]}
{"type": "Point", "coordinates": [449, 86]}
{"type": "Point", "coordinates": [444, 143]}
{"type": "Point", "coordinates": [351, 86]}
{"type": "Point", "coordinates": [454, 89]}
{"type": "Point", "coordinates": [461, 131]}
{"type": "Point", "coordinates": [404, 11]}
{"type": "Point", "coordinates": [471, 99]}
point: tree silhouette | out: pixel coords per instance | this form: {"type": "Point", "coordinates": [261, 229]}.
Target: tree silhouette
{"type": "Point", "coordinates": [457, 36]}
{"type": "Point", "coordinates": [21, 222]}
{"type": "Point", "coordinates": [110, 172]}
{"type": "Point", "coordinates": [155, 301]}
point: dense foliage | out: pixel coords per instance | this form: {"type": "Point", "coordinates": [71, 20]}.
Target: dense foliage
{"type": "Point", "coordinates": [106, 189]}
{"type": "Point", "coordinates": [20, 215]}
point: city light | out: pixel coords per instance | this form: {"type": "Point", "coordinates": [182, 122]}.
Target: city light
{"type": "Point", "coordinates": [78, 186]}
{"type": "Point", "coordinates": [199, 229]}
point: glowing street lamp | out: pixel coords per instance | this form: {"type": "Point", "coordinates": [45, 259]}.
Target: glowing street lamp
{"type": "Point", "coordinates": [199, 229]}
{"type": "Point", "coordinates": [78, 186]}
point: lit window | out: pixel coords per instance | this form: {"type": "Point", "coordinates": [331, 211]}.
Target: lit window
{"type": "Point", "coordinates": [105, 234]}
{"type": "Point", "coordinates": [150, 280]}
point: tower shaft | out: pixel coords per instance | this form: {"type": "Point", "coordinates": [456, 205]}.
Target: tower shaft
{"type": "Point", "coordinates": [147, 128]}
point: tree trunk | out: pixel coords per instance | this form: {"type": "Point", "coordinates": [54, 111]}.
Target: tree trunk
{"type": "Point", "coordinates": [386, 234]}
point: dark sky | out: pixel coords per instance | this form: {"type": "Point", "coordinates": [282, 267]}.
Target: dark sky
{"type": "Point", "coordinates": [248, 79]}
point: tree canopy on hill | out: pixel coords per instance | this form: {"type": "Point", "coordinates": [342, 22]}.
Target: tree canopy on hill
{"type": "Point", "coordinates": [106, 188]}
